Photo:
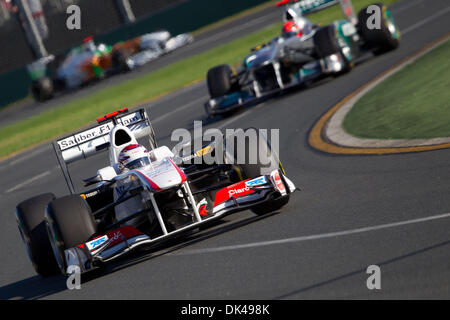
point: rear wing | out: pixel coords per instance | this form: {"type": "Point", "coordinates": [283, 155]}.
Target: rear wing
{"type": "Point", "coordinates": [95, 139]}
{"type": "Point", "coordinates": [310, 6]}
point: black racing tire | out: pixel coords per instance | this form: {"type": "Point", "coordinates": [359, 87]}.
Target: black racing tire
{"type": "Point", "coordinates": [326, 44]}
{"type": "Point", "coordinates": [119, 61]}
{"type": "Point", "coordinates": [249, 171]}
{"type": "Point", "coordinates": [219, 80]}
{"type": "Point", "coordinates": [42, 89]}
{"type": "Point", "coordinates": [30, 219]}
{"type": "Point", "coordinates": [379, 40]}
{"type": "Point", "coordinates": [69, 223]}
{"type": "Point", "coordinates": [348, 66]}
{"type": "Point", "coordinates": [263, 149]}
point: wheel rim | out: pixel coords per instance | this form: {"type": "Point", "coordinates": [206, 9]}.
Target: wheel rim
{"type": "Point", "coordinates": [55, 243]}
{"type": "Point", "coordinates": [390, 24]}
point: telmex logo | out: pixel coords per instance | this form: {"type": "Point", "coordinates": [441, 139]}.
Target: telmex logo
{"type": "Point", "coordinates": [256, 182]}
{"type": "Point", "coordinates": [237, 191]}
{"type": "Point", "coordinates": [94, 244]}
{"type": "Point", "coordinates": [117, 235]}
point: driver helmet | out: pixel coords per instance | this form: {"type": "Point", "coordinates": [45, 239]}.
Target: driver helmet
{"type": "Point", "coordinates": [133, 156]}
{"type": "Point", "coordinates": [298, 28]}
{"type": "Point", "coordinates": [289, 28]}
{"type": "Point", "coordinates": [88, 44]}
{"type": "Point", "coordinates": [297, 24]}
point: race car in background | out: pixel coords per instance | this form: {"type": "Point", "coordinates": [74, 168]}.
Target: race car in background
{"type": "Point", "coordinates": [92, 61]}
{"type": "Point", "coordinates": [303, 53]}
{"type": "Point", "coordinates": [145, 196]}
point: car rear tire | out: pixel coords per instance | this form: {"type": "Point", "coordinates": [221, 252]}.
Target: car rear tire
{"type": "Point", "coordinates": [30, 219]}
{"type": "Point", "coordinates": [325, 42]}
{"type": "Point", "coordinates": [249, 171]}
{"type": "Point", "coordinates": [219, 80]}
{"type": "Point", "coordinates": [69, 223]}
{"type": "Point", "coordinates": [381, 40]}
{"type": "Point", "coordinates": [42, 89]}
{"type": "Point", "coordinates": [119, 61]}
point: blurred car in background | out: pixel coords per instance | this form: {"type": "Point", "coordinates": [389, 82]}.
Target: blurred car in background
{"type": "Point", "coordinates": [90, 61]}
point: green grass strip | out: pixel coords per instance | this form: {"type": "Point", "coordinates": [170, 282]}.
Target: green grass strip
{"type": "Point", "coordinates": [414, 103]}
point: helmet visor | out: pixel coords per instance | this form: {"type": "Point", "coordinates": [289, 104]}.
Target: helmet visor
{"type": "Point", "coordinates": [138, 163]}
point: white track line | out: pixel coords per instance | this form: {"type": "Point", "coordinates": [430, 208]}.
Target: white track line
{"type": "Point", "coordinates": [236, 29]}
{"type": "Point", "coordinates": [186, 106]}
{"type": "Point", "coordinates": [425, 21]}
{"type": "Point", "coordinates": [172, 95]}
{"type": "Point", "coordinates": [406, 6]}
{"type": "Point", "coordinates": [29, 155]}
{"type": "Point", "coordinates": [312, 237]}
{"type": "Point", "coordinates": [10, 162]}
{"type": "Point", "coordinates": [20, 185]}
{"type": "Point", "coordinates": [243, 114]}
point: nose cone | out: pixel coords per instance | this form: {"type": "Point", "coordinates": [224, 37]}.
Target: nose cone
{"type": "Point", "coordinates": [163, 175]}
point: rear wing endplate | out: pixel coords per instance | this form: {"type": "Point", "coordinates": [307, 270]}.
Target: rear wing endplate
{"type": "Point", "coordinates": [310, 6]}
{"type": "Point", "coordinates": [95, 139]}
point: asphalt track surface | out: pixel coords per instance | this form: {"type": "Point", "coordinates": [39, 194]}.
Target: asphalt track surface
{"type": "Point", "coordinates": [352, 212]}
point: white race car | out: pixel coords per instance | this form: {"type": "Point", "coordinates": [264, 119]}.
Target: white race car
{"type": "Point", "coordinates": [143, 198]}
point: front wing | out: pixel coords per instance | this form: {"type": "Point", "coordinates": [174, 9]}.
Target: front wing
{"type": "Point", "coordinates": [237, 197]}
{"type": "Point", "coordinates": [241, 99]}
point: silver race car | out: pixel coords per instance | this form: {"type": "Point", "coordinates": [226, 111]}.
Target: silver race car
{"type": "Point", "coordinates": [304, 52]}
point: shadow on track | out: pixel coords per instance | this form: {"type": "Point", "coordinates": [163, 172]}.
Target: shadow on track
{"type": "Point", "coordinates": [37, 287]}
{"type": "Point", "coordinates": [360, 271]}
{"type": "Point", "coordinates": [215, 228]}
{"type": "Point", "coordinates": [33, 288]}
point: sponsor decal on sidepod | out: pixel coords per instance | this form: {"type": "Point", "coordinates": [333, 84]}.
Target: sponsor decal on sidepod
{"type": "Point", "coordinates": [91, 245]}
